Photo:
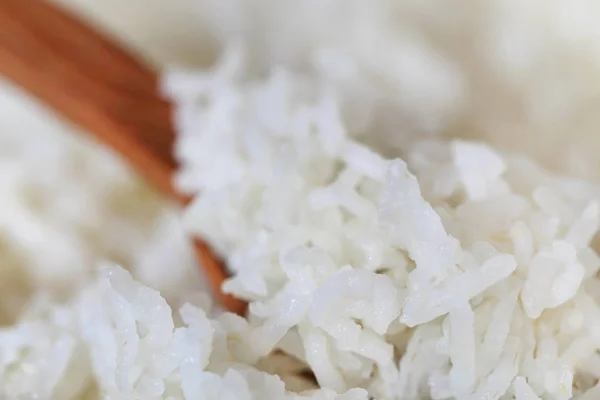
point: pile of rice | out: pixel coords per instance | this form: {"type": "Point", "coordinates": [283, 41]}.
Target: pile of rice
{"type": "Point", "coordinates": [380, 259]}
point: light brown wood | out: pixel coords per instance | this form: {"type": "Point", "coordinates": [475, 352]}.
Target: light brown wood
{"type": "Point", "coordinates": [91, 81]}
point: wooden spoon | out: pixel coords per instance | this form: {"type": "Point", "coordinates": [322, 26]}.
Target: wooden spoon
{"type": "Point", "coordinates": [103, 89]}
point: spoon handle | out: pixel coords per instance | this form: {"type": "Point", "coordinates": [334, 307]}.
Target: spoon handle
{"type": "Point", "coordinates": [100, 87]}
{"type": "Point", "coordinates": [90, 81]}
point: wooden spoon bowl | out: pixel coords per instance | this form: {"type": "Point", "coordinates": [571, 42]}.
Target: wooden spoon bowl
{"type": "Point", "coordinates": [97, 85]}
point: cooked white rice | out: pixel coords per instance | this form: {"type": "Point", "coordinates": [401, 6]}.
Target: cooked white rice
{"type": "Point", "coordinates": [389, 262]}
{"type": "Point", "coordinates": [460, 272]}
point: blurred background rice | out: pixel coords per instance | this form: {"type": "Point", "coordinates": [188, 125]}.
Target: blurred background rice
{"type": "Point", "coordinates": [68, 201]}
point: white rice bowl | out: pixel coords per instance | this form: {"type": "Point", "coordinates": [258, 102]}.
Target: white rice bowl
{"type": "Point", "coordinates": [383, 256]}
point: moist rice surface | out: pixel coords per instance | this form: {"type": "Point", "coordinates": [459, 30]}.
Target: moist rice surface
{"type": "Point", "coordinates": [405, 193]}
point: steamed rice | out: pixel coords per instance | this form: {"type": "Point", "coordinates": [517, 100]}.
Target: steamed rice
{"type": "Point", "coordinates": [483, 254]}
{"type": "Point", "coordinates": [387, 264]}
{"type": "Point", "coordinates": [65, 204]}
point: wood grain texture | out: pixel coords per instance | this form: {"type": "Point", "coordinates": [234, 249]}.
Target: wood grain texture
{"type": "Point", "coordinates": [100, 87]}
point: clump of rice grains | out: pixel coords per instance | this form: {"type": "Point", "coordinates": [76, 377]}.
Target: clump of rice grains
{"type": "Point", "coordinates": [377, 264]}
{"type": "Point", "coordinates": [454, 272]}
